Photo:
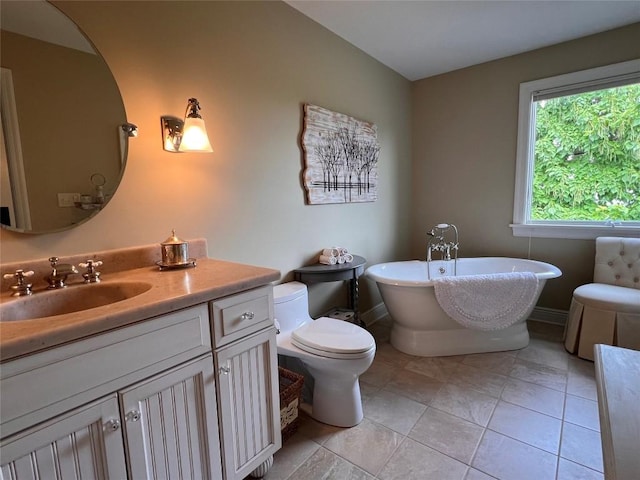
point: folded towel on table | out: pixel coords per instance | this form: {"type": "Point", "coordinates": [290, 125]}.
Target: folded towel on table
{"type": "Point", "coordinates": [487, 302]}
{"type": "Point", "coordinates": [330, 252]}
{"type": "Point", "coordinates": [328, 260]}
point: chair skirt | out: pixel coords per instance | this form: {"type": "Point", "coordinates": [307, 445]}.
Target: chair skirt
{"type": "Point", "coordinates": [587, 326]}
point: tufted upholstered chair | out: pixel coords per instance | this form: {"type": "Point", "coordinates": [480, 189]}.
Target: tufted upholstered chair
{"type": "Point", "coordinates": [608, 310]}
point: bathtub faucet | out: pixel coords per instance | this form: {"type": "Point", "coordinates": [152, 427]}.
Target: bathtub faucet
{"type": "Point", "coordinates": [439, 243]}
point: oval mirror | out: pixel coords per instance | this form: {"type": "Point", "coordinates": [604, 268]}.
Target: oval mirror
{"type": "Point", "coordinates": [64, 131]}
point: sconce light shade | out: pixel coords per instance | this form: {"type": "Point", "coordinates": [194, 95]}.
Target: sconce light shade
{"type": "Point", "coordinates": [189, 135]}
{"type": "Point", "coordinates": [194, 136]}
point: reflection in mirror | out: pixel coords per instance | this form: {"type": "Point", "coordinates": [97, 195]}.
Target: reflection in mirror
{"type": "Point", "coordinates": [63, 145]}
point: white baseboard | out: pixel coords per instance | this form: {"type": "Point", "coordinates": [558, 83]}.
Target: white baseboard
{"type": "Point", "coordinates": [373, 315]}
{"type": "Point", "coordinates": [549, 315]}
{"type": "Point", "coordinates": [539, 314]}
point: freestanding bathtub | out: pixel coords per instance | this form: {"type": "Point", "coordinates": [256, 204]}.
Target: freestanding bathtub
{"type": "Point", "coordinates": [420, 326]}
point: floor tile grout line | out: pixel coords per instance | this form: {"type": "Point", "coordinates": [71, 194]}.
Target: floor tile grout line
{"type": "Point", "coordinates": [404, 437]}
{"type": "Point", "coordinates": [499, 398]}
{"type": "Point", "coordinates": [346, 460]}
{"type": "Point", "coordinates": [444, 453]}
{"type": "Point", "coordinates": [475, 452]}
{"type": "Point", "coordinates": [456, 416]}
{"type": "Point", "coordinates": [301, 463]}
{"type": "Point", "coordinates": [558, 461]}
{"type": "Point", "coordinates": [572, 460]}
{"type": "Point", "coordinates": [532, 410]}
{"type": "Point", "coordinates": [528, 360]}
{"type": "Point", "coordinates": [522, 441]}
{"type": "Point", "coordinates": [581, 426]}
{"type": "Point", "coordinates": [407, 436]}
{"type": "Point", "coordinates": [564, 412]}
{"type": "Point", "coordinates": [508, 376]}
{"type": "Point", "coordinates": [526, 443]}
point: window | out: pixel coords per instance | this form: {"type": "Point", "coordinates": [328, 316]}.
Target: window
{"type": "Point", "coordinates": [578, 157]}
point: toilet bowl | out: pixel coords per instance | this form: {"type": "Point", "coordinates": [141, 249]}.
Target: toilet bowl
{"type": "Point", "coordinates": [334, 352]}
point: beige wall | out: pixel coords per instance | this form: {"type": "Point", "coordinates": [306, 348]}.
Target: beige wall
{"type": "Point", "coordinates": [464, 148]}
{"type": "Point", "coordinates": [252, 65]}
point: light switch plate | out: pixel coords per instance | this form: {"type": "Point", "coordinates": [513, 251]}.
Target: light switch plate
{"type": "Point", "coordinates": [68, 199]}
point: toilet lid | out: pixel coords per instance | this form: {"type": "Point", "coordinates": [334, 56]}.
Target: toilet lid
{"type": "Point", "coordinates": [328, 336]}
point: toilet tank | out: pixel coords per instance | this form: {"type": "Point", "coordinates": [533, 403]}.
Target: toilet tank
{"type": "Point", "coordinates": [291, 305]}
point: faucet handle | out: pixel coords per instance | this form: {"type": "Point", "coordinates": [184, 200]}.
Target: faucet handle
{"type": "Point", "coordinates": [20, 288]}
{"type": "Point", "coordinates": [19, 275]}
{"type": "Point", "coordinates": [91, 275]}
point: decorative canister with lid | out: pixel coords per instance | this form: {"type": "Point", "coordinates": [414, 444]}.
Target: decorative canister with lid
{"type": "Point", "coordinates": [175, 252]}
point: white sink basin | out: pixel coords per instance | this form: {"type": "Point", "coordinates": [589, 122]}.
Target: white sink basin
{"type": "Point", "coordinates": [72, 299]}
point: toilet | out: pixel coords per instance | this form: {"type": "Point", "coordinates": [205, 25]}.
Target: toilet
{"type": "Point", "coordinates": [334, 352]}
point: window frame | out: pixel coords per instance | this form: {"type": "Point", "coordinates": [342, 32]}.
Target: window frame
{"type": "Point", "coordinates": [585, 80]}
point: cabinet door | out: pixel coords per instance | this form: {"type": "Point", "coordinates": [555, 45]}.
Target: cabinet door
{"type": "Point", "coordinates": [171, 425]}
{"type": "Point", "coordinates": [85, 443]}
{"type": "Point", "coordinates": [249, 402]}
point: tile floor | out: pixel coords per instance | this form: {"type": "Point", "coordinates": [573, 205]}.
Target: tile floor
{"type": "Point", "coordinates": [526, 414]}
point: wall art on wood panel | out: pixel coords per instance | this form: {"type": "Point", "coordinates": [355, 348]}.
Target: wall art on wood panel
{"type": "Point", "coordinates": [341, 157]}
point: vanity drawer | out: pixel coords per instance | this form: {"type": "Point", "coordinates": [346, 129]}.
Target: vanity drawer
{"type": "Point", "coordinates": [240, 315]}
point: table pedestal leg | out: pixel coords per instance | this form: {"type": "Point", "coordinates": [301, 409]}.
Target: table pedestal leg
{"type": "Point", "coordinates": [353, 300]}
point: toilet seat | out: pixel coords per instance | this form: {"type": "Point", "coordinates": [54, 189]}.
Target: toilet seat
{"type": "Point", "coordinates": [328, 337]}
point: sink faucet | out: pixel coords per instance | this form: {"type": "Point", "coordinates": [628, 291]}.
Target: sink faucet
{"type": "Point", "coordinates": [59, 273]}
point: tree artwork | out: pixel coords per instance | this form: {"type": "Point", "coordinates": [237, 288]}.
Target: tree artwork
{"type": "Point", "coordinates": [341, 157]}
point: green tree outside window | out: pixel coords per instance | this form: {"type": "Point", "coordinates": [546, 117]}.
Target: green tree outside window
{"type": "Point", "coordinates": [587, 156]}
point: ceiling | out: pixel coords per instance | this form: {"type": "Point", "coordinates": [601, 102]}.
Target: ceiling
{"type": "Point", "coordinates": [422, 38]}
{"type": "Point", "coordinates": [38, 19]}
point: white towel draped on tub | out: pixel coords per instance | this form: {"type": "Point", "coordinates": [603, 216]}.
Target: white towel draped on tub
{"type": "Point", "coordinates": [487, 302]}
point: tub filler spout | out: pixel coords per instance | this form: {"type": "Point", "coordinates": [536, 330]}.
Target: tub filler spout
{"type": "Point", "coordinates": [438, 243]}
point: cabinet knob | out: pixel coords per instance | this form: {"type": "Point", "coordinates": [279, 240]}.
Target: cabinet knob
{"type": "Point", "coordinates": [224, 370]}
{"type": "Point", "coordinates": [247, 316]}
{"type": "Point", "coordinates": [133, 416]}
{"type": "Point", "coordinates": [113, 424]}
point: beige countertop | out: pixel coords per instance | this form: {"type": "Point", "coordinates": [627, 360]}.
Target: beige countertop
{"type": "Point", "coordinates": [170, 290]}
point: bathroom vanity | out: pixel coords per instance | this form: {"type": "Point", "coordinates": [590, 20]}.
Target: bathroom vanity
{"type": "Point", "coordinates": [178, 381]}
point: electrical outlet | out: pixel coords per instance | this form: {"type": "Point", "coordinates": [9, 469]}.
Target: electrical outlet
{"type": "Point", "coordinates": [68, 199]}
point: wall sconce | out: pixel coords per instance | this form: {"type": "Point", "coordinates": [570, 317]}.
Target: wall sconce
{"type": "Point", "coordinates": [189, 135]}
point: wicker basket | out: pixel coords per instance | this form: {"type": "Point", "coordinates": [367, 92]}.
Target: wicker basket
{"type": "Point", "coordinates": [290, 391]}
